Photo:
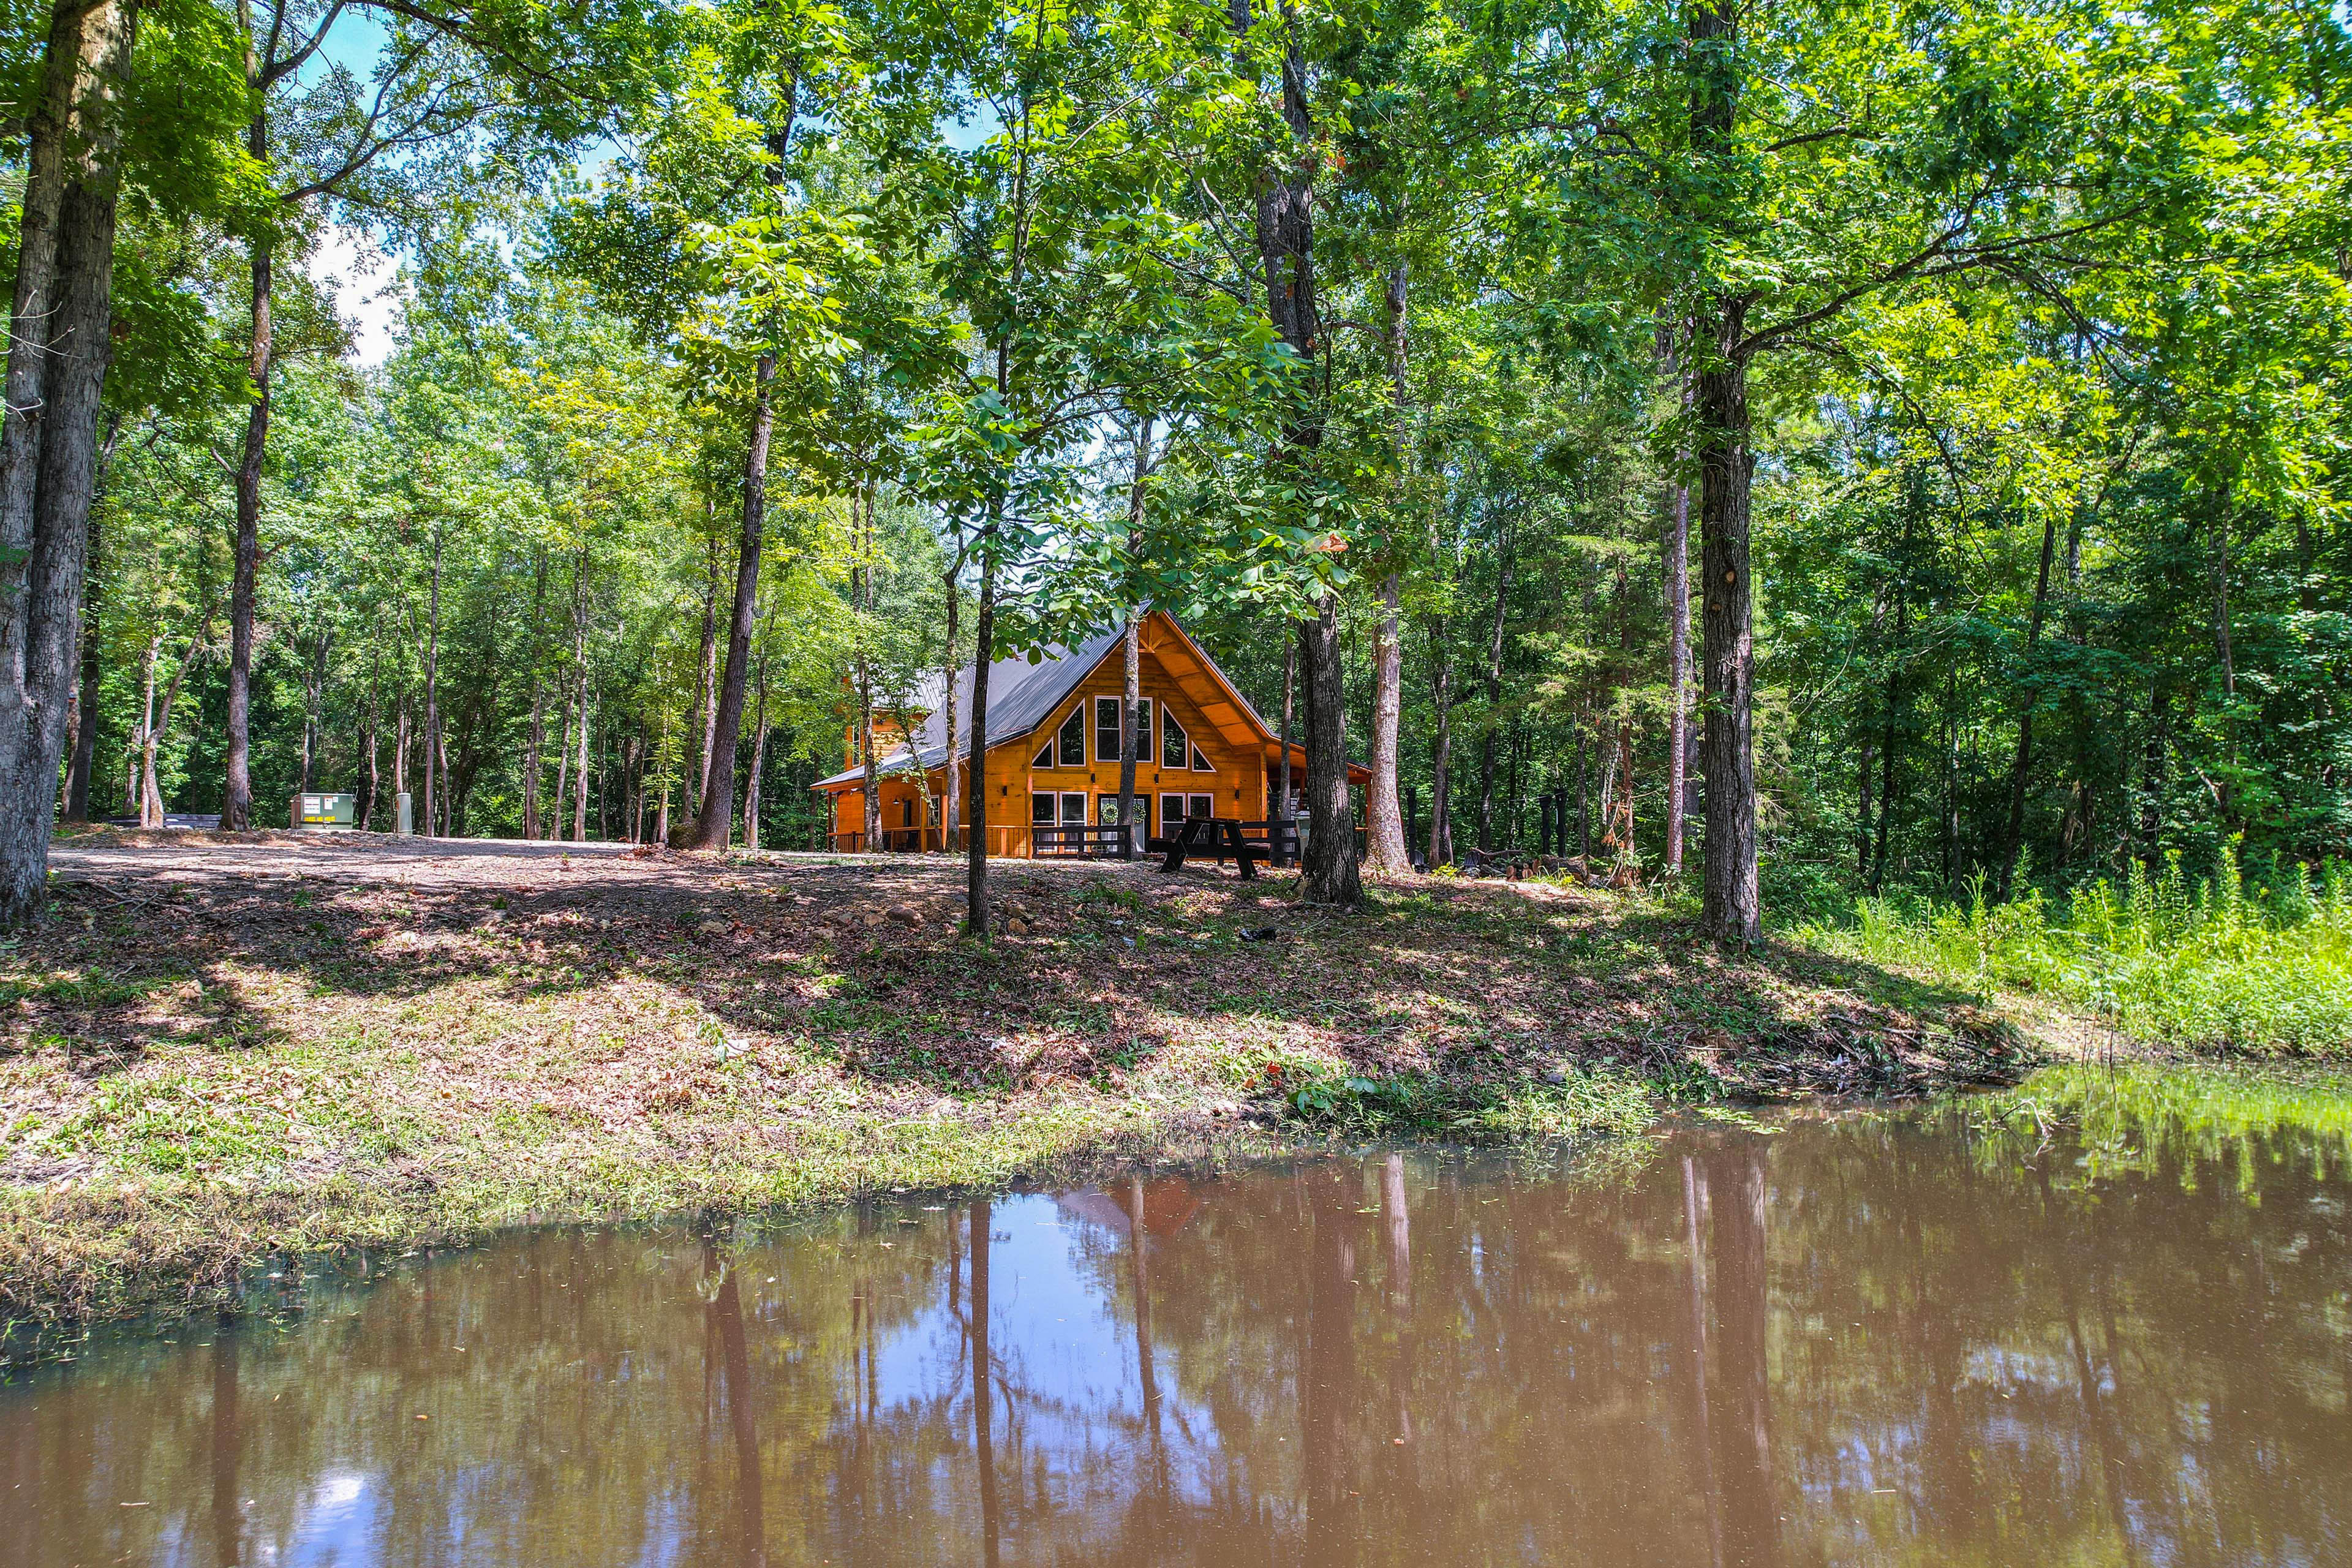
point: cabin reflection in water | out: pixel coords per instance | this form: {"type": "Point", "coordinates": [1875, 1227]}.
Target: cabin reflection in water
{"type": "Point", "coordinates": [1855, 1340]}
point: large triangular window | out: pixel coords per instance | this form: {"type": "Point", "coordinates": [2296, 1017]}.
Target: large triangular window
{"type": "Point", "coordinates": [1173, 741]}
{"type": "Point", "coordinates": [1073, 739]}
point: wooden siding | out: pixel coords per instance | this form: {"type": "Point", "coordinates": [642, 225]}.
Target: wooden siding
{"type": "Point", "coordinates": [1236, 779]}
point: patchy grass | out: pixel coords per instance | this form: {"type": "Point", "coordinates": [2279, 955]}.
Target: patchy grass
{"type": "Point", "coordinates": [206, 1060]}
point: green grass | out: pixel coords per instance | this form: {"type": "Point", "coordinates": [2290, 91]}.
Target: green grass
{"type": "Point", "coordinates": [2209, 967]}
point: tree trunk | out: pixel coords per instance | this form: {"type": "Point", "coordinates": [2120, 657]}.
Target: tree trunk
{"type": "Point", "coordinates": [1385, 847]}
{"type": "Point", "coordinates": [62, 321]}
{"type": "Point", "coordinates": [1675, 547]}
{"type": "Point", "coordinates": [1330, 875]}
{"type": "Point", "coordinates": [2013, 841]}
{"type": "Point", "coordinates": [1385, 850]}
{"type": "Point", "coordinates": [236, 795]}
{"type": "Point", "coordinates": [951, 808]}
{"type": "Point", "coordinates": [82, 723]}
{"type": "Point", "coordinates": [1285, 240]}
{"type": "Point", "coordinates": [136, 783]}
{"type": "Point", "coordinates": [862, 590]}
{"type": "Point", "coordinates": [432, 735]}
{"type": "Point", "coordinates": [711, 828]}
{"type": "Point", "coordinates": [1441, 750]}
{"type": "Point", "coordinates": [1289, 696]}
{"type": "Point", "coordinates": [758, 756]}
{"type": "Point", "coordinates": [579, 731]}
{"type": "Point", "coordinates": [562, 776]}
{"type": "Point", "coordinates": [1131, 647]}
{"type": "Point", "coordinates": [1731, 910]}
{"type": "Point", "coordinates": [151, 809]}
{"type": "Point", "coordinates": [975, 883]}
{"type": "Point", "coordinates": [706, 716]}
{"type": "Point", "coordinates": [1494, 691]}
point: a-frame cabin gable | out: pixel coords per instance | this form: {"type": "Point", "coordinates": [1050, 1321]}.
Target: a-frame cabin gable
{"type": "Point", "coordinates": [1026, 774]}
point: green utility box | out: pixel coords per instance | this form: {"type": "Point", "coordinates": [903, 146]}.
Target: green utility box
{"type": "Point", "coordinates": [322, 810]}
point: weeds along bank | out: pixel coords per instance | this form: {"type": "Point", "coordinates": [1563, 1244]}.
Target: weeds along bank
{"type": "Point", "coordinates": [2210, 963]}
{"type": "Point", "coordinates": [208, 1059]}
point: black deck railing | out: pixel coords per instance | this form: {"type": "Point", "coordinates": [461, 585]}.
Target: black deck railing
{"type": "Point", "coordinates": [1081, 841]}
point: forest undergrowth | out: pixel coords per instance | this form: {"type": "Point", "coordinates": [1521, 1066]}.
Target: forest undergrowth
{"type": "Point", "coordinates": [2208, 964]}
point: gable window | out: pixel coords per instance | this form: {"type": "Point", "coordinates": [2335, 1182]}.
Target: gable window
{"type": "Point", "coordinates": [1142, 731]}
{"type": "Point", "coordinates": [1173, 742]}
{"type": "Point", "coordinates": [1201, 764]}
{"type": "Point", "coordinates": [1072, 741]}
{"type": "Point", "coordinates": [1044, 757]}
{"type": "Point", "coordinates": [1107, 729]}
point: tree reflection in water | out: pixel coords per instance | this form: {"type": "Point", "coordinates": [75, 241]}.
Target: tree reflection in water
{"type": "Point", "coordinates": [1905, 1339]}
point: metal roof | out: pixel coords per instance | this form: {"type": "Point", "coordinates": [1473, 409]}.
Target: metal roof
{"type": "Point", "coordinates": [1021, 696]}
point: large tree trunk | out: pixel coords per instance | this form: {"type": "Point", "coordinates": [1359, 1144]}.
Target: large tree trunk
{"type": "Point", "coordinates": [1731, 910]}
{"type": "Point", "coordinates": [862, 590]}
{"type": "Point", "coordinates": [1286, 242]}
{"type": "Point", "coordinates": [711, 828]}
{"type": "Point", "coordinates": [1730, 907]}
{"type": "Point", "coordinates": [1330, 875]}
{"type": "Point", "coordinates": [237, 793]}
{"type": "Point", "coordinates": [1675, 547]}
{"type": "Point", "coordinates": [83, 723]}
{"type": "Point", "coordinates": [1385, 850]}
{"type": "Point", "coordinates": [62, 321]}
{"type": "Point", "coordinates": [1494, 691]}
{"type": "Point", "coordinates": [1131, 647]}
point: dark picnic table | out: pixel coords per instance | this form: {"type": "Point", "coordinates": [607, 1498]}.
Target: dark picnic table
{"type": "Point", "coordinates": [1218, 837]}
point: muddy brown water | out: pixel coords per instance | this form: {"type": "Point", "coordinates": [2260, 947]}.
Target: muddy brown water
{"type": "Point", "coordinates": [1883, 1338]}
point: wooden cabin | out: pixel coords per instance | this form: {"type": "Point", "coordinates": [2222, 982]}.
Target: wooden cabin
{"type": "Point", "coordinates": [1053, 748]}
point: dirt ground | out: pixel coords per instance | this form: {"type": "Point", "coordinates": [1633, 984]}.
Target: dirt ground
{"type": "Point", "coordinates": [214, 1049]}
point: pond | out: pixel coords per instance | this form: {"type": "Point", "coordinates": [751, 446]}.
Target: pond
{"type": "Point", "coordinates": [2086, 1323]}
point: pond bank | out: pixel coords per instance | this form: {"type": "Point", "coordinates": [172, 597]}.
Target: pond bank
{"type": "Point", "coordinates": [215, 1052]}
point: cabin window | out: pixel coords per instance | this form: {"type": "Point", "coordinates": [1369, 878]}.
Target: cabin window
{"type": "Point", "coordinates": [1201, 764]}
{"type": "Point", "coordinates": [906, 813]}
{"type": "Point", "coordinates": [1171, 813]}
{"type": "Point", "coordinates": [1041, 810]}
{"type": "Point", "coordinates": [1173, 742]}
{"type": "Point", "coordinates": [1074, 809]}
{"type": "Point", "coordinates": [1106, 728]}
{"type": "Point", "coordinates": [1203, 805]}
{"type": "Point", "coordinates": [1073, 738]}
{"type": "Point", "coordinates": [1142, 730]}
{"type": "Point", "coordinates": [1107, 812]}
{"type": "Point", "coordinates": [1044, 757]}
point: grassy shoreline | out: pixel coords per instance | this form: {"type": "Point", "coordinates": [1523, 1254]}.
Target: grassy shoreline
{"type": "Point", "coordinates": [214, 1053]}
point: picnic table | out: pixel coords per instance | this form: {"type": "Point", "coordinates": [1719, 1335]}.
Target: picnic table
{"type": "Point", "coordinates": [1218, 837]}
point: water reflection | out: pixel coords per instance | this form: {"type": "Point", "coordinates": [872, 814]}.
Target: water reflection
{"type": "Point", "coordinates": [1892, 1339]}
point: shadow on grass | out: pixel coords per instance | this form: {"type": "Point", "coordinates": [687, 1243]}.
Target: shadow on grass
{"type": "Point", "coordinates": [1472, 984]}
